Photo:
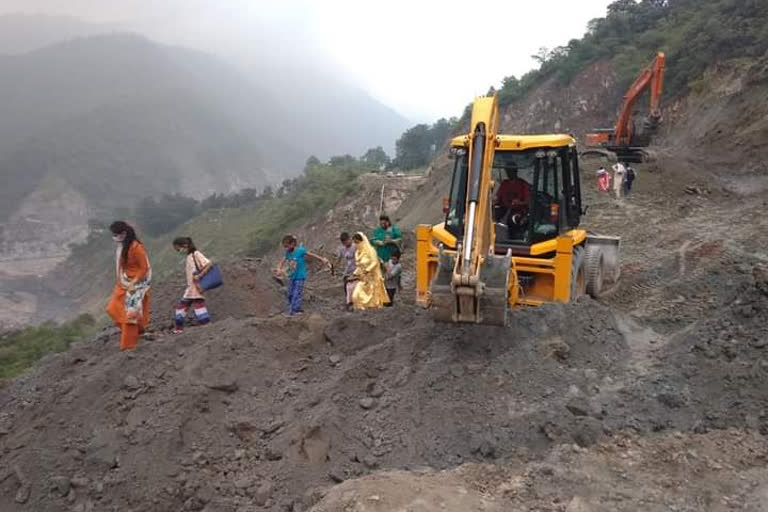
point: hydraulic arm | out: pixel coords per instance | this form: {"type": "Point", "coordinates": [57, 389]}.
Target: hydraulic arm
{"type": "Point", "coordinates": [471, 284]}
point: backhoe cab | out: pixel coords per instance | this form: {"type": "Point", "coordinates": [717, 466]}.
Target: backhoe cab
{"type": "Point", "coordinates": [510, 236]}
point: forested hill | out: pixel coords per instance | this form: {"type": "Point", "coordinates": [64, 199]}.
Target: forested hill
{"type": "Point", "coordinates": [714, 49]}
{"type": "Point", "coordinates": [579, 85]}
{"type": "Point", "coordinates": [694, 34]}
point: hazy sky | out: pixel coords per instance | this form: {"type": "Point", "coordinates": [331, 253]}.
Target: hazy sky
{"type": "Point", "coordinates": [425, 58]}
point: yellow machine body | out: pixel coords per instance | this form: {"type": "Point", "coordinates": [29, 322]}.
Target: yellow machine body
{"type": "Point", "coordinates": [476, 265]}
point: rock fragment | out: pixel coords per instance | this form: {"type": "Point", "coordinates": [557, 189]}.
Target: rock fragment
{"type": "Point", "coordinates": [131, 383]}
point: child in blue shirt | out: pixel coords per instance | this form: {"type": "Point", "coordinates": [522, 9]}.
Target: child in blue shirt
{"type": "Point", "coordinates": [295, 261]}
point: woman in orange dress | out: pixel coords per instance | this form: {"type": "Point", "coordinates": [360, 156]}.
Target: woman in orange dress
{"type": "Point", "coordinates": [129, 304]}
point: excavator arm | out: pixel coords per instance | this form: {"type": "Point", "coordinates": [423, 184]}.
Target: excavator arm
{"type": "Point", "coordinates": [478, 238]}
{"type": "Point", "coordinates": [471, 283]}
{"type": "Point", "coordinates": [651, 78]}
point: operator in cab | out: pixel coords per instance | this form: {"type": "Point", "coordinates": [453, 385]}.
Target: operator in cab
{"type": "Point", "coordinates": [513, 197]}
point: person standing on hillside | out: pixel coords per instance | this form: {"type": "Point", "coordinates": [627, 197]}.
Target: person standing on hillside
{"type": "Point", "coordinates": [629, 180]}
{"type": "Point", "coordinates": [346, 260]}
{"type": "Point", "coordinates": [386, 238]}
{"type": "Point", "coordinates": [603, 180]}
{"type": "Point", "coordinates": [370, 292]}
{"type": "Point", "coordinates": [295, 266]}
{"type": "Point", "coordinates": [196, 266]}
{"type": "Point", "coordinates": [619, 175]}
{"type": "Point", "coordinates": [129, 305]}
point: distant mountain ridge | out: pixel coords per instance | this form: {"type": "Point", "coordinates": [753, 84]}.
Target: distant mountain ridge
{"type": "Point", "coordinates": [119, 109]}
{"type": "Point", "coordinates": [23, 33]}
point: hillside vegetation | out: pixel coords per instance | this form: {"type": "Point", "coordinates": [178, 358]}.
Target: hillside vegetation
{"type": "Point", "coordinates": [693, 33]}
{"type": "Point", "coordinates": [22, 348]}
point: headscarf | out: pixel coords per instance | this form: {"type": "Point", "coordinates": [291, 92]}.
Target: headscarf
{"type": "Point", "coordinates": [365, 254]}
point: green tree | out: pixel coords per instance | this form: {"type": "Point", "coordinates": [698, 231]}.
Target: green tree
{"type": "Point", "coordinates": [412, 149]}
{"type": "Point", "coordinates": [375, 158]}
{"type": "Point", "coordinates": [160, 216]}
{"type": "Point", "coordinates": [312, 161]}
{"type": "Point", "coordinates": [343, 161]}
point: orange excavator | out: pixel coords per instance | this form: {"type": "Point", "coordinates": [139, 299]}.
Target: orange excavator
{"type": "Point", "coordinates": [628, 140]}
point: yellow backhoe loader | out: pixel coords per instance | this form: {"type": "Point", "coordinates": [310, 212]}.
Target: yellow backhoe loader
{"type": "Point", "coordinates": [511, 234]}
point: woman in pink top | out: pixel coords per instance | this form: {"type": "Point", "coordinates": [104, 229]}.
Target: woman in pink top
{"type": "Point", "coordinates": [196, 266]}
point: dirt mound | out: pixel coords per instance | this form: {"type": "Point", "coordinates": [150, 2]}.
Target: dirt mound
{"type": "Point", "coordinates": [626, 473]}
{"type": "Point", "coordinates": [266, 413]}
{"type": "Point", "coordinates": [264, 410]}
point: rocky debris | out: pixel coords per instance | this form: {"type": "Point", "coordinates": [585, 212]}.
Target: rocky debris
{"type": "Point", "coordinates": [375, 390]}
{"type": "Point", "coordinates": [24, 490]}
{"type": "Point", "coordinates": [61, 485]}
{"type": "Point", "coordinates": [228, 384]}
{"type": "Point", "coordinates": [367, 402]}
{"type": "Point", "coordinates": [262, 494]}
{"type": "Point", "coordinates": [578, 406]}
{"type": "Point", "coordinates": [578, 504]}
{"type": "Point", "coordinates": [693, 190]}
{"type": "Point", "coordinates": [131, 383]}
{"type": "Point", "coordinates": [23, 494]}
{"type": "Point", "coordinates": [102, 451]}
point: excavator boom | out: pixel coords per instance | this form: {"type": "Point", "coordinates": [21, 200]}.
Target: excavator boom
{"type": "Point", "coordinates": [471, 284]}
{"type": "Point", "coordinates": [651, 78]}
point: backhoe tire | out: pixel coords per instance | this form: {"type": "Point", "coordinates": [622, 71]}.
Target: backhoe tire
{"type": "Point", "coordinates": [578, 274]}
{"type": "Point", "coordinates": [595, 277]}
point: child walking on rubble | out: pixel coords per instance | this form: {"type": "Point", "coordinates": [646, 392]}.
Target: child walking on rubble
{"type": "Point", "coordinates": [393, 276]}
{"type": "Point", "coordinates": [294, 265]}
{"type": "Point", "coordinates": [196, 265]}
{"type": "Point", "coordinates": [346, 259]}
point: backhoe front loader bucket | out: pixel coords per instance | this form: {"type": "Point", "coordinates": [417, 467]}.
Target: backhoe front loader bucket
{"type": "Point", "coordinates": [494, 276]}
{"type": "Point", "coordinates": [484, 303]}
{"type": "Point", "coordinates": [443, 299]}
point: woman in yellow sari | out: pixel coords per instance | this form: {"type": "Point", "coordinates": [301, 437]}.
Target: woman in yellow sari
{"type": "Point", "coordinates": [369, 292]}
